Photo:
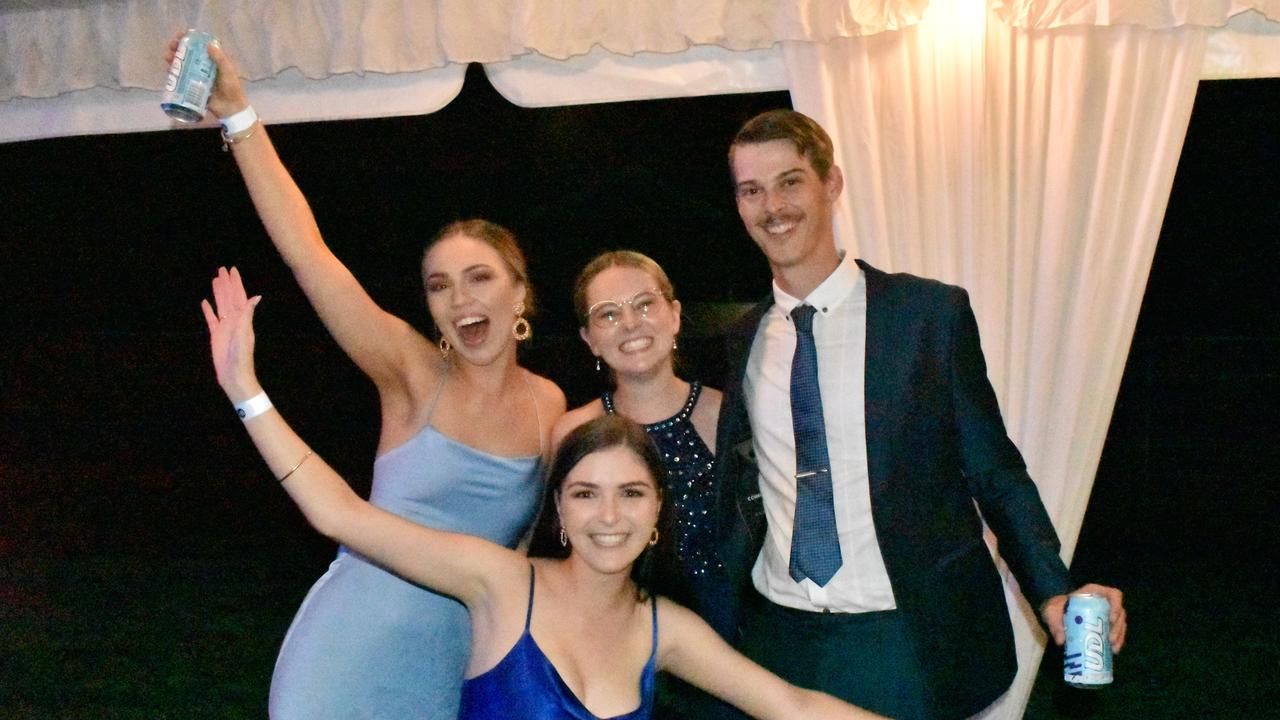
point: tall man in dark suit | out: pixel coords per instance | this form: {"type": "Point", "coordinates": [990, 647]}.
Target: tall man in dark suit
{"type": "Point", "coordinates": [857, 434]}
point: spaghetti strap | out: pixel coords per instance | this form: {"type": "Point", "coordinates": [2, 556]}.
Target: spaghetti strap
{"type": "Point", "coordinates": [528, 614]}
{"type": "Point", "coordinates": [653, 601]}
{"type": "Point", "coordinates": [537, 414]}
{"type": "Point", "coordinates": [435, 397]}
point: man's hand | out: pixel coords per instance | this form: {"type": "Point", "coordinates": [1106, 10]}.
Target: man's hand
{"type": "Point", "coordinates": [1055, 608]}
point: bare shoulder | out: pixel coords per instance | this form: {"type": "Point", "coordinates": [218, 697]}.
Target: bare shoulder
{"type": "Point", "coordinates": [709, 401]}
{"type": "Point", "coordinates": [673, 615]}
{"type": "Point", "coordinates": [706, 414]}
{"type": "Point", "coordinates": [678, 625]}
{"type": "Point", "coordinates": [574, 418]}
{"type": "Point", "coordinates": [549, 395]}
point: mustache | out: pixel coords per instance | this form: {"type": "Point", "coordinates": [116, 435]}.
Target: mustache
{"type": "Point", "coordinates": [772, 217]}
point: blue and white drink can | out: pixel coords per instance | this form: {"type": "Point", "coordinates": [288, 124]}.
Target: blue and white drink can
{"type": "Point", "coordinates": [191, 76]}
{"type": "Point", "coordinates": [1086, 660]}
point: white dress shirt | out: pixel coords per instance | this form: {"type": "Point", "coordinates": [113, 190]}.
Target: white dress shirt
{"type": "Point", "coordinates": [839, 333]}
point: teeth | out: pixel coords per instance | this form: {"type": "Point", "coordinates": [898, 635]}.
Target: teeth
{"type": "Point", "coordinates": [779, 228]}
{"type": "Point", "coordinates": [610, 540]}
{"type": "Point", "coordinates": [636, 344]}
{"type": "Point", "coordinates": [470, 320]}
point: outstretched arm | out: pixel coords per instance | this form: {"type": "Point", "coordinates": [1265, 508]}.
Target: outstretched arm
{"type": "Point", "coordinates": [691, 650]}
{"type": "Point", "coordinates": [382, 345]}
{"type": "Point", "coordinates": [459, 565]}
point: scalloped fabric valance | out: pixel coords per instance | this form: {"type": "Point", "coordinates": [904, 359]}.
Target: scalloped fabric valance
{"type": "Point", "coordinates": [1154, 14]}
{"type": "Point", "coordinates": [49, 48]}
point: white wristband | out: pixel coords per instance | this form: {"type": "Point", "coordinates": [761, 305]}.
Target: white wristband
{"type": "Point", "coordinates": [254, 406]}
{"type": "Point", "coordinates": [239, 122]}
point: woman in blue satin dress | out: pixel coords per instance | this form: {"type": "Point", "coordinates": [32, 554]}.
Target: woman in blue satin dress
{"type": "Point", "coordinates": [464, 431]}
{"type": "Point", "coordinates": [577, 637]}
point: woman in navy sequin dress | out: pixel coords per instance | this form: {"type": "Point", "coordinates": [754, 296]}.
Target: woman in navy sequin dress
{"type": "Point", "coordinates": [629, 318]}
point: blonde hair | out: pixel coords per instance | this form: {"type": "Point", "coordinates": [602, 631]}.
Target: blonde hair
{"type": "Point", "coordinates": [502, 240]}
{"type": "Point", "coordinates": [617, 258]}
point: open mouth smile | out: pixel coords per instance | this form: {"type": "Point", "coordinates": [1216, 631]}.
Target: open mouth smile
{"type": "Point", "coordinates": [472, 329]}
{"type": "Point", "coordinates": [636, 345]}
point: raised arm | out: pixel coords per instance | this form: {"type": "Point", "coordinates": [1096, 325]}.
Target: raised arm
{"type": "Point", "coordinates": [459, 565]}
{"type": "Point", "coordinates": [691, 650]}
{"type": "Point", "coordinates": [382, 345]}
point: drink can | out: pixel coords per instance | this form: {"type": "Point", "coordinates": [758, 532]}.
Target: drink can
{"type": "Point", "coordinates": [1086, 660]}
{"type": "Point", "coordinates": [186, 90]}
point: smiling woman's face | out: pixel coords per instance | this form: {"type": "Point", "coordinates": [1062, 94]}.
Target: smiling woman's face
{"type": "Point", "coordinates": [609, 506]}
{"type": "Point", "coordinates": [472, 296]}
{"type": "Point", "coordinates": [630, 324]}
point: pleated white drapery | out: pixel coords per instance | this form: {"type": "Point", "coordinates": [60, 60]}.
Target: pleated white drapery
{"type": "Point", "coordinates": [92, 67]}
{"type": "Point", "coordinates": [1021, 148]}
{"type": "Point", "coordinates": [55, 48]}
{"type": "Point", "coordinates": [1033, 168]}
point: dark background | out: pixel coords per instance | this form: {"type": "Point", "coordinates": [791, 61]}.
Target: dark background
{"type": "Point", "coordinates": [149, 566]}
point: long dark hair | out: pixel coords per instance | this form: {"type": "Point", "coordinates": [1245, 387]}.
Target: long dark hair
{"type": "Point", "coordinates": [603, 433]}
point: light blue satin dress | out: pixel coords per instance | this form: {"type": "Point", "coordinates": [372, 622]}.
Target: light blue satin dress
{"type": "Point", "coordinates": [367, 644]}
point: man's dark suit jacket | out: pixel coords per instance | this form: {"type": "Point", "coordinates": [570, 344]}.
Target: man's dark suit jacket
{"type": "Point", "coordinates": [935, 444]}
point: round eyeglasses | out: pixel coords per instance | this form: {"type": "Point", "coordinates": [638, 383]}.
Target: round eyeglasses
{"type": "Point", "coordinates": [607, 314]}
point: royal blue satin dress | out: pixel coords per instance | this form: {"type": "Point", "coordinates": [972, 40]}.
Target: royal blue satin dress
{"type": "Point", "coordinates": [524, 685]}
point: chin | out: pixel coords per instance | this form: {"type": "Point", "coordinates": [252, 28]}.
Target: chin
{"type": "Point", "coordinates": [636, 368]}
{"type": "Point", "coordinates": [610, 562]}
{"type": "Point", "coordinates": [481, 356]}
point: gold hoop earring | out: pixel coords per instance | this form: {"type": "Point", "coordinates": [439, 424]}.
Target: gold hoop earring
{"type": "Point", "coordinates": [653, 539]}
{"type": "Point", "coordinates": [564, 537]}
{"type": "Point", "coordinates": [445, 347]}
{"type": "Point", "coordinates": [520, 329]}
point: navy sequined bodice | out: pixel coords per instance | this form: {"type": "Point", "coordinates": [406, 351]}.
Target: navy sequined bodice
{"type": "Point", "coordinates": [690, 485]}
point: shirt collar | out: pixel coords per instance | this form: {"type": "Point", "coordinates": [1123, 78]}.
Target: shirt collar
{"type": "Point", "coordinates": [838, 286]}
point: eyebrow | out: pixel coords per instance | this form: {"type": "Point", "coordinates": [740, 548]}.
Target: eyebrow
{"type": "Point", "coordinates": [468, 269]}
{"type": "Point", "coordinates": [596, 486]}
{"type": "Point", "coordinates": [627, 298]}
{"type": "Point", "coordinates": [779, 176]}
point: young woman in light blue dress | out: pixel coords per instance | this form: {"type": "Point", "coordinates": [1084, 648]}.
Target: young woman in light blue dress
{"type": "Point", "coordinates": [571, 638]}
{"type": "Point", "coordinates": [464, 431]}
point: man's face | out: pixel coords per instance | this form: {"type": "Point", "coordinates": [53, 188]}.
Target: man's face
{"type": "Point", "coordinates": [784, 205]}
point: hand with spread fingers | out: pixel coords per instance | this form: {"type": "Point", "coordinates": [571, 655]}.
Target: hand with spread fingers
{"type": "Point", "coordinates": [1054, 610]}
{"type": "Point", "coordinates": [231, 334]}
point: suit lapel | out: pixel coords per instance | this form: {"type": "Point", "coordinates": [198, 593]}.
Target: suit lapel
{"type": "Point", "coordinates": [741, 337]}
{"type": "Point", "coordinates": [878, 380]}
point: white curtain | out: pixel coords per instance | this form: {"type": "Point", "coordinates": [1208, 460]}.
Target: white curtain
{"type": "Point", "coordinates": [1021, 148]}
{"type": "Point", "coordinates": [92, 67]}
{"type": "Point", "coordinates": [1154, 14]}
{"type": "Point", "coordinates": [1033, 168]}
{"type": "Point", "coordinates": [51, 48]}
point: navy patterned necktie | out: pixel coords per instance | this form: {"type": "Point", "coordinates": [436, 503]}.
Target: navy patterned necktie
{"type": "Point", "coordinates": [815, 544]}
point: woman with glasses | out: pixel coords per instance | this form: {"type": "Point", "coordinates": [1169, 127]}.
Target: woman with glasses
{"type": "Point", "coordinates": [628, 316]}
